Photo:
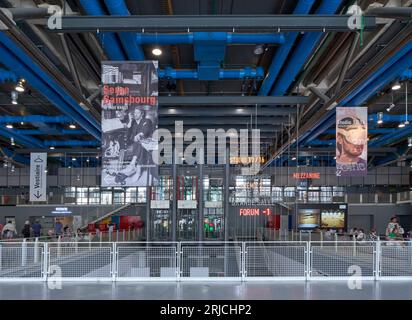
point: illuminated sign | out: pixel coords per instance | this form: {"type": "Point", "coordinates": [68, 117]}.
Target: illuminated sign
{"type": "Point", "coordinates": [254, 212]}
{"type": "Point", "coordinates": [61, 211]}
{"type": "Point", "coordinates": [306, 175]}
{"type": "Point", "coordinates": [247, 160]}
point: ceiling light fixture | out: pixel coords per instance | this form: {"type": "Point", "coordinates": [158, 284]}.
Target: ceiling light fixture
{"type": "Point", "coordinates": [51, 148]}
{"type": "Point", "coordinates": [72, 126]}
{"type": "Point", "coordinates": [22, 123]}
{"type": "Point", "coordinates": [12, 141]}
{"type": "Point", "coordinates": [410, 142]}
{"type": "Point", "coordinates": [380, 118]}
{"type": "Point", "coordinates": [391, 106]}
{"type": "Point", "coordinates": [402, 125]}
{"type": "Point", "coordinates": [258, 50]}
{"type": "Point", "coordinates": [14, 97]}
{"type": "Point", "coordinates": [74, 159]}
{"type": "Point", "coordinates": [9, 126]}
{"type": "Point", "coordinates": [20, 85]}
{"type": "Point", "coordinates": [157, 51]}
{"type": "Point", "coordinates": [293, 158]}
{"type": "Point", "coordinates": [396, 86]}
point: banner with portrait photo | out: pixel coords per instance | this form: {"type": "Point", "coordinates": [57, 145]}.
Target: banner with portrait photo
{"type": "Point", "coordinates": [351, 141]}
{"type": "Point", "coordinates": [129, 119]}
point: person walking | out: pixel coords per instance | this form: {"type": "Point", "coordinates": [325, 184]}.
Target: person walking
{"type": "Point", "coordinates": [9, 230]}
{"type": "Point", "coordinates": [26, 230]}
{"type": "Point", "coordinates": [58, 228]}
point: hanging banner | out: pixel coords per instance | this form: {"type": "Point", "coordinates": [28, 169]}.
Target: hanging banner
{"type": "Point", "coordinates": [351, 141]}
{"type": "Point", "coordinates": [38, 176]}
{"type": "Point", "coordinates": [129, 118]}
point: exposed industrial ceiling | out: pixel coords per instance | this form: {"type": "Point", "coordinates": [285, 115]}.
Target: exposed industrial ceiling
{"type": "Point", "coordinates": [317, 69]}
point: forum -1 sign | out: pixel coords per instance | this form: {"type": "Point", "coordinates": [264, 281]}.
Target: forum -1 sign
{"type": "Point", "coordinates": [254, 212]}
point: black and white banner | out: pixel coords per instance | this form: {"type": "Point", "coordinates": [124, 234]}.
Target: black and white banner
{"type": "Point", "coordinates": [129, 119]}
{"type": "Point", "coordinates": [38, 176]}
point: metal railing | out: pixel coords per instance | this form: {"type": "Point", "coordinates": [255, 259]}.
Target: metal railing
{"type": "Point", "coordinates": [205, 261]}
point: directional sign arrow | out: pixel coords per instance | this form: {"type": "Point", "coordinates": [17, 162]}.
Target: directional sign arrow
{"type": "Point", "coordinates": [37, 195]}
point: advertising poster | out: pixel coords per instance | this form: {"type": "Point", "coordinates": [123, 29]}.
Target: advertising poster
{"type": "Point", "coordinates": [129, 118]}
{"type": "Point", "coordinates": [334, 219]}
{"type": "Point", "coordinates": [351, 141]}
{"type": "Point", "coordinates": [308, 218]}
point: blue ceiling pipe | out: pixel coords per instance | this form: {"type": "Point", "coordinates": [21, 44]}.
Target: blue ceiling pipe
{"type": "Point", "coordinates": [390, 74]}
{"type": "Point", "coordinates": [16, 157]}
{"type": "Point", "coordinates": [35, 118]}
{"type": "Point", "coordinates": [26, 141]}
{"type": "Point", "coordinates": [246, 73]}
{"type": "Point", "coordinates": [24, 66]}
{"type": "Point", "coordinates": [6, 75]}
{"type": "Point", "coordinates": [128, 39]}
{"type": "Point", "coordinates": [380, 75]}
{"type": "Point", "coordinates": [109, 41]}
{"type": "Point", "coordinates": [406, 75]}
{"type": "Point", "coordinates": [387, 73]}
{"type": "Point", "coordinates": [71, 143]}
{"type": "Point", "coordinates": [303, 50]}
{"type": "Point", "coordinates": [230, 38]}
{"type": "Point", "coordinates": [303, 7]}
{"type": "Point", "coordinates": [371, 131]}
{"type": "Point", "coordinates": [52, 131]}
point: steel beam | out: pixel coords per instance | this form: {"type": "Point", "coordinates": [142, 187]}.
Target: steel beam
{"type": "Point", "coordinates": [187, 23]}
{"type": "Point", "coordinates": [213, 121]}
{"type": "Point", "coordinates": [202, 111]}
{"type": "Point", "coordinates": [232, 100]}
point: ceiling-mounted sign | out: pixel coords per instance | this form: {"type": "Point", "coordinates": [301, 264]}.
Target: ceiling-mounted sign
{"type": "Point", "coordinates": [159, 204]}
{"type": "Point", "coordinates": [38, 165]}
{"type": "Point", "coordinates": [213, 204]}
{"type": "Point", "coordinates": [186, 204]}
{"type": "Point", "coordinates": [61, 211]}
{"type": "Point", "coordinates": [306, 175]}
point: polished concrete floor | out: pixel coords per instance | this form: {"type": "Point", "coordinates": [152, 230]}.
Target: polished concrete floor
{"type": "Point", "coordinates": [208, 291]}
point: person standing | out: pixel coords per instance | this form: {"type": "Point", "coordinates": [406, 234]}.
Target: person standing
{"type": "Point", "coordinates": [58, 228]}
{"type": "Point", "coordinates": [36, 227]}
{"type": "Point", "coordinates": [26, 230]}
{"type": "Point", "coordinates": [9, 230]}
{"type": "Point", "coordinates": [394, 231]}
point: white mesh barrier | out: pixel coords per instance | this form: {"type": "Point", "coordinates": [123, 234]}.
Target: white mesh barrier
{"type": "Point", "coordinates": [211, 260]}
{"type": "Point", "coordinates": [395, 259]}
{"type": "Point", "coordinates": [337, 259]}
{"type": "Point", "coordinates": [264, 260]}
{"type": "Point", "coordinates": [275, 260]}
{"type": "Point", "coordinates": [82, 260]}
{"type": "Point", "coordinates": [21, 260]}
{"type": "Point", "coordinates": [146, 260]}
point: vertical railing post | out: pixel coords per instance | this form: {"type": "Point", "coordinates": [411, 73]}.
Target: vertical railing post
{"type": "Point", "coordinates": [90, 241]}
{"type": "Point", "coordinates": [115, 261]}
{"type": "Point", "coordinates": [308, 256]}
{"type": "Point", "coordinates": [300, 236]}
{"type": "Point", "coordinates": [46, 254]}
{"type": "Point", "coordinates": [378, 253]}
{"type": "Point", "coordinates": [24, 252]}
{"type": "Point", "coordinates": [36, 250]}
{"type": "Point", "coordinates": [243, 261]}
{"type": "Point", "coordinates": [321, 239]}
{"type": "Point", "coordinates": [336, 242]}
{"type": "Point", "coordinates": [128, 235]}
{"type": "Point", "coordinates": [354, 245]}
{"type": "Point", "coordinates": [310, 235]}
{"type": "Point", "coordinates": [178, 260]}
{"type": "Point", "coordinates": [1, 256]}
{"type": "Point", "coordinates": [124, 235]}
{"type": "Point", "coordinates": [76, 246]}
{"type": "Point", "coordinates": [293, 235]}
{"type": "Point", "coordinates": [59, 246]}
{"type": "Point", "coordinates": [117, 235]}
{"type": "Point", "coordinates": [110, 236]}
{"type": "Point", "coordinates": [100, 238]}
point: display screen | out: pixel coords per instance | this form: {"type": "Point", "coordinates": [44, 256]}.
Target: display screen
{"type": "Point", "coordinates": [333, 218]}
{"type": "Point", "coordinates": [309, 218]}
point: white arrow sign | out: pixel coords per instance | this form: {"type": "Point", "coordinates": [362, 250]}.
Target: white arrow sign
{"type": "Point", "coordinates": [38, 183]}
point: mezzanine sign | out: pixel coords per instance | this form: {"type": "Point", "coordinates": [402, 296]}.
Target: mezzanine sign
{"type": "Point", "coordinates": [306, 175]}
